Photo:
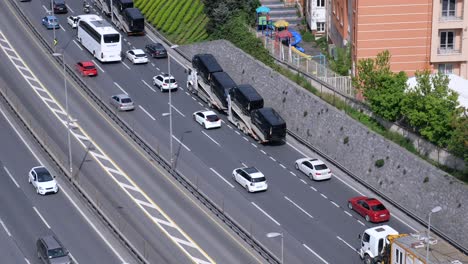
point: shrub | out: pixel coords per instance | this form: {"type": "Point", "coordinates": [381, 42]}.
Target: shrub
{"type": "Point", "coordinates": [178, 19]}
{"type": "Point", "coordinates": [379, 163]}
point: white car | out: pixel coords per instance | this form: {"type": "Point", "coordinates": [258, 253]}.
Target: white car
{"type": "Point", "coordinates": [208, 119]}
{"type": "Point", "coordinates": [137, 56]}
{"type": "Point", "coordinates": [315, 169]}
{"type": "Point", "coordinates": [73, 21]}
{"type": "Point", "coordinates": [42, 180]}
{"type": "Point", "coordinates": [165, 82]}
{"type": "Point", "coordinates": [250, 178]}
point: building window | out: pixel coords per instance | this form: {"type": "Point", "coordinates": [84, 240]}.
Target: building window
{"type": "Point", "coordinates": [320, 3]}
{"type": "Point", "coordinates": [448, 8]}
{"type": "Point", "coordinates": [445, 68]}
{"type": "Point", "coordinates": [446, 40]}
{"type": "Point", "coordinates": [320, 26]}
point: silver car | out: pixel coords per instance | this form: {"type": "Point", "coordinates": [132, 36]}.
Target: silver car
{"type": "Point", "coordinates": [122, 102]}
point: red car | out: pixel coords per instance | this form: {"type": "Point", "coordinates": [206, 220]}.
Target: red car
{"type": "Point", "coordinates": [372, 209]}
{"type": "Point", "coordinates": [86, 68]}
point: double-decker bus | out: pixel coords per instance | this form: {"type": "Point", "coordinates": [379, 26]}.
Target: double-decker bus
{"type": "Point", "coordinates": [99, 38]}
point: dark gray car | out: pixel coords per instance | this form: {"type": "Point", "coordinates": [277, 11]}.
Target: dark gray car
{"type": "Point", "coordinates": [51, 251]}
{"type": "Point", "coordinates": [156, 50]}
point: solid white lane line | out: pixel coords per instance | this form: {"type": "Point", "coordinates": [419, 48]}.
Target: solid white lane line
{"type": "Point", "coordinates": [323, 195]}
{"type": "Point", "coordinates": [200, 104]}
{"type": "Point", "coordinates": [97, 65]}
{"type": "Point", "coordinates": [237, 132]}
{"type": "Point", "coordinates": [246, 139]}
{"type": "Point", "coordinates": [346, 212]}
{"type": "Point", "coordinates": [40, 216]}
{"type": "Point", "coordinates": [11, 176]}
{"type": "Point", "coordinates": [359, 221]}
{"type": "Point", "coordinates": [116, 84]}
{"type": "Point", "coordinates": [349, 185]}
{"type": "Point", "coordinates": [70, 9]}
{"type": "Point", "coordinates": [76, 43]}
{"type": "Point", "coordinates": [90, 223]}
{"type": "Point", "coordinates": [146, 112]}
{"type": "Point", "coordinates": [313, 252]}
{"type": "Point", "coordinates": [304, 182]}
{"type": "Point", "coordinates": [124, 64]}
{"type": "Point", "coordinates": [210, 138]}
{"type": "Point", "coordinates": [255, 146]}
{"type": "Point", "coordinates": [27, 261]}
{"type": "Point", "coordinates": [243, 164]}
{"type": "Point", "coordinates": [334, 204]}
{"type": "Point", "coordinates": [298, 207]}
{"type": "Point", "coordinates": [177, 110]}
{"type": "Point", "coordinates": [181, 143]}
{"type": "Point", "coordinates": [282, 166]}
{"type": "Point", "coordinates": [6, 229]}
{"type": "Point", "coordinates": [149, 86]}
{"type": "Point", "coordinates": [346, 243]}
{"type": "Point", "coordinates": [302, 153]}
{"type": "Point", "coordinates": [222, 178]}
{"type": "Point", "coordinates": [261, 210]}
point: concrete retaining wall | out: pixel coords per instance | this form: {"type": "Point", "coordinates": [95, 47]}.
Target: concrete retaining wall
{"type": "Point", "coordinates": [404, 177]}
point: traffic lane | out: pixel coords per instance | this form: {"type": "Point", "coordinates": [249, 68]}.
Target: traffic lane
{"type": "Point", "coordinates": [9, 248]}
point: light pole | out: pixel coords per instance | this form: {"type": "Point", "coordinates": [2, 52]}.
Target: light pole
{"type": "Point", "coordinates": [171, 159]}
{"type": "Point", "coordinates": [66, 110]}
{"type": "Point", "coordinates": [434, 210]}
{"type": "Point", "coordinates": [53, 14]}
{"type": "Point", "coordinates": [275, 234]}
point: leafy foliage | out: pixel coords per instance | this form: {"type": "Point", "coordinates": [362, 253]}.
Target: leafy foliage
{"type": "Point", "coordinates": [458, 143]}
{"type": "Point", "coordinates": [431, 106]}
{"type": "Point", "coordinates": [342, 63]}
{"type": "Point", "coordinates": [220, 12]}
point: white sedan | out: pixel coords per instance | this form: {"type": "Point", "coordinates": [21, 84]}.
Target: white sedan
{"type": "Point", "coordinates": [315, 169]}
{"type": "Point", "coordinates": [73, 21]}
{"type": "Point", "coordinates": [208, 119]}
{"type": "Point", "coordinates": [137, 56]}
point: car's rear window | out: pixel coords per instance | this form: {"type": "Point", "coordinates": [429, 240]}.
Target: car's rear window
{"type": "Point", "coordinates": [167, 80]}
{"type": "Point", "coordinates": [260, 179]}
{"type": "Point", "coordinates": [89, 67]}
{"type": "Point", "coordinates": [140, 55]}
{"type": "Point", "coordinates": [212, 118]}
{"type": "Point", "coordinates": [56, 253]}
{"type": "Point", "coordinates": [378, 207]}
{"type": "Point", "coordinates": [321, 167]}
{"type": "Point", "coordinates": [111, 38]}
{"type": "Point", "coordinates": [126, 100]}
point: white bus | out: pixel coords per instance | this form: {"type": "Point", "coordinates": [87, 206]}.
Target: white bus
{"type": "Point", "coordinates": [99, 38]}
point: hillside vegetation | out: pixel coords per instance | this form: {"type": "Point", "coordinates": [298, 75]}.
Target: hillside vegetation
{"type": "Point", "coordinates": [181, 21]}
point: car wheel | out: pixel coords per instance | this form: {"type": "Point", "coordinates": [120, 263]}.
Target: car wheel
{"type": "Point", "coordinates": [204, 125]}
{"type": "Point", "coordinates": [311, 176]}
{"type": "Point", "coordinates": [367, 259]}
{"type": "Point", "coordinates": [247, 188]}
{"type": "Point", "coordinates": [367, 218]}
{"type": "Point", "coordinates": [350, 206]}
{"type": "Point", "coordinates": [296, 166]}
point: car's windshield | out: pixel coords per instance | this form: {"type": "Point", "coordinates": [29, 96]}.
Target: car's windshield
{"type": "Point", "coordinates": [140, 55]}
{"type": "Point", "coordinates": [321, 167]}
{"type": "Point", "coordinates": [260, 179]}
{"type": "Point", "coordinates": [44, 177]}
{"type": "Point", "coordinates": [378, 207]}
{"type": "Point", "coordinates": [212, 118]}
{"type": "Point", "coordinates": [57, 253]}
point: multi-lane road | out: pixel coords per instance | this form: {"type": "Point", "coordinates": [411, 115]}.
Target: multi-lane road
{"type": "Point", "coordinates": [312, 216]}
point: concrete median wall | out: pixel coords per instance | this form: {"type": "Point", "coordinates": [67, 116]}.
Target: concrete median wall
{"type": "Point", "coordinates": [405, 178]}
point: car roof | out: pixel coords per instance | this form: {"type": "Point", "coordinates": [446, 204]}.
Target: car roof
{"type": "Point", "coordinates": [316, 162]}
{"type": "Point", "coordinates": [122, 95]}
{"type": "Point", "coordinates": [51, 242]}
{"type": "Point", "coordinates": [372, 201]}
{"type": "Point", "coordinates": [138, 51]}
{"type": "Point", "coordinates": [209, 112]}
{"type": "Point", "coordinates": [51, 17]}
{"type": "Point", "coordinates": [253, 172]}
{"type": "Point", "coordinates": [87, 63]}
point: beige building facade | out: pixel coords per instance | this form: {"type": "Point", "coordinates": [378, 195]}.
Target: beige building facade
{"type": "Point", "coordinates": [420, 34]}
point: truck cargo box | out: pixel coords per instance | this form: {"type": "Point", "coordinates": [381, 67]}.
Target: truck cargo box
{"type": "Point", "coordinates": [206, 64]}
{"type": "Point", "coordinates": [246, 97]}
{"type": "Point", "coordinates": [135, 20]}
{"type": "Point", "coordinates": [220, 84]}
{"type": "Point", "coordinates": [270, 123]}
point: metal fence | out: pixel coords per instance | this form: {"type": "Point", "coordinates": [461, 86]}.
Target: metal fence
{"type": "Point", "coordinates": [313, 66]}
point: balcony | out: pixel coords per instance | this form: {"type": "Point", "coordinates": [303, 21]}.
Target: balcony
{"type": "Point", "coordinates": [450, 18]}
{"type": "Point", "coordinates": [448, 51]}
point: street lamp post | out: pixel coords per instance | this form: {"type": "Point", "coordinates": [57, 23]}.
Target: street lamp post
{"type": "Point", "coordinates": [434, 210]}
{"type": "Point", "coordinates": [170, 103]}
{"type": "Point", "coordinates": [66, 110]}
{"type": "Point", "coordinates": [275, 234]}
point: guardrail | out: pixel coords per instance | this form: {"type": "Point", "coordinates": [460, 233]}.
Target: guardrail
{"type": "Point", "coordinates": [236, 228]}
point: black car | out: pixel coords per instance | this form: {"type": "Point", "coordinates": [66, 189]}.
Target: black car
{"type": "Point", "coordinates": [59, 6]}
{"type": "Point", "coordinates": [156, 50]}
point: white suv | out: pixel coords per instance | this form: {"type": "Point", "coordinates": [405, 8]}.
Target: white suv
{"type": "Point", "coordinates": [165, 82]}
{"type": "Point", "coordinates": [250, 178]}
{"type": "Point", "coordinates": [42, 180]}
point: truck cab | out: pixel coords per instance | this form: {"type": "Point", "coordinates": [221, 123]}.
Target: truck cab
{"type": "Point", "coordinates": [373, 243]}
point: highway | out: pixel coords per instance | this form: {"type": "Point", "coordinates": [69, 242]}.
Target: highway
{"type": "Point", "coordinates": [25, 216]}
{"type": "Point", "coordinates": [312, 215]}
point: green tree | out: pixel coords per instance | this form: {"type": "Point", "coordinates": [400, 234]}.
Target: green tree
{"type": "Point", "coordinates": [342, 63]}
{"type": "Point", "coordinates": [383, 89]}
{"type": "Point", "coordinates": [430, 106]}
{"type": "Point", "coordinates": [458, 143]}
{"type": "Point", "coordinates": [220, 12]}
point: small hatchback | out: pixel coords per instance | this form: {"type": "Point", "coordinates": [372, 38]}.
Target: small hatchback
{"type": "Point", "coordinates": [250, 178]}
{"type": "Point", "coordinates": [50, 22]}
{"type": "Point", "coordinates": [208, 119]}
{"type": "Point", "coordinates": [86, 68]}
{"type": "Point", "coordinates": [51, 251]}
{"type": "Point", "coordinates": [122, 102]}
{"type": "Point", "coordinates": [42, 180]}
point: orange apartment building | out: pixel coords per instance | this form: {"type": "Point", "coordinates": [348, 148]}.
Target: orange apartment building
{"type": "Point", "coordinates": [419, 34]}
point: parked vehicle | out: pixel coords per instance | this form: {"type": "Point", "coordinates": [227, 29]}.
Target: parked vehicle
{"type": "Point", "coordinates": [384, 245]}
{"type": "Point", "coordinates": [370, 208]}
{"type": "Point", "coordinates": [315, 169]}
{"type": "Point", "coordinates": [250, 178]}
{"type": "Point", "coordinates": [208, 119]}
{"type": "Point", "coordinates": [122, 102]}
{"type": "Point", "coordinates": [42, 180]}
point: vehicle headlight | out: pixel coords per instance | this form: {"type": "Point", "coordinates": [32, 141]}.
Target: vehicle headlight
{"type": "Point", "coordinates": [41, 188]}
